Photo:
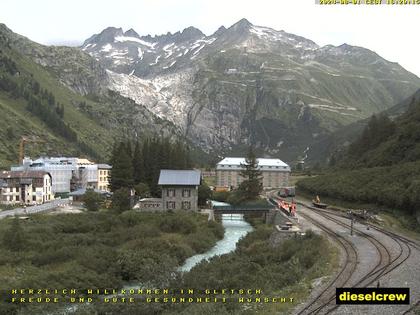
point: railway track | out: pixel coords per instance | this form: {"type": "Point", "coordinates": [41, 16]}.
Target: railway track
{"type": "Point", "coordinates": [324, 297]}
{"type": "Point", "coordinates": [385, 264]}
{"type": "Point", "coordinates": [372, 274]}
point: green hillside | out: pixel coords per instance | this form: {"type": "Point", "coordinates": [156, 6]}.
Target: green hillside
{"type": "Point", "coordinates": [35, 104]}
{"type": "Point", "coordinates": [332, 147]}
{"type": "Point", "coordinates": [382, 166]}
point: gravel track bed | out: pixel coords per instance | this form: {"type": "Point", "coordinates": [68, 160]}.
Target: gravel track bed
{"type": "Point", "coordinates": [393, 251]}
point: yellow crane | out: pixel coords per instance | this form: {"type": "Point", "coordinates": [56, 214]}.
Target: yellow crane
{"type": "Point", "coordinates": [24, 140]}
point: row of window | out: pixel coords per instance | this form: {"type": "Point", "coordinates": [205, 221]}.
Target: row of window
{"type": "Point", "coordinates": [186, 205]}
{"type": "Point", "coordinates": [172, 193]}
{"type": "Point", "coordinates": [269, 183]}
{"type": "Point", "coordinates": [230, 173]}
{"type": "Point", "coordinates": [17, 198]}
{"type": "Point", "coordinates": [277, 167]}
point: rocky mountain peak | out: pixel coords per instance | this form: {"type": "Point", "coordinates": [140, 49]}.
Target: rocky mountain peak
{"type": "Point", "coordinates": [191, 33]}
{"type": "Point", "coordinates": [220, 31]}
{"type": "Point", "coordinates": [111, 31]}
{"type": "Point", "coordinates": [106, 36]}
{"type": "Point", "coordinates": [131, 33]}
{"type": "Point", "coordinates": [241, 25]}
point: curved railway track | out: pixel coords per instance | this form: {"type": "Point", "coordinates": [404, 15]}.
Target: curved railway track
{"type": "Point", "coordinates": [342, 277]}
{"type": "Point", "coordinates": [374, 272]}
{"type": "Point", "coordinates": [323, 301]}
{"type": "Point", "coordinates": [385, 263]}
{"type": "Point", "coordinates": [402, 242]}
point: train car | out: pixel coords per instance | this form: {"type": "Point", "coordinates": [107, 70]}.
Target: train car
{"type": "Point", "coordinates": [287, 192]}
{"type": "Point", "coordinates": [317, 203]}
{"type": "Point", "coordinates": [360, 214]}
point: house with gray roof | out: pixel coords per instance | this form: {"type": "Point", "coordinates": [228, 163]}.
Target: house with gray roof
{"type": "Point", "coordinates": [179, 189]}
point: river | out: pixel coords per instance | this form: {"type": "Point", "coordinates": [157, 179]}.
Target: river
{"type": "Point", "coordinates": [235, 228]}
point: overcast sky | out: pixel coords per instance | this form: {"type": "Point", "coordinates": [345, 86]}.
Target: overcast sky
{"type": "Point", "coordinates": [391, 31]}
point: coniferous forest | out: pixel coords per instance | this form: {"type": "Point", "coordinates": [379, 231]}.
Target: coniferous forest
{"type": "Point", "coordinates": [382, 166]}
{"type": "Point", "coordinates": [39, 101]}
{"type": "Point", "coordinates": [141, 162]}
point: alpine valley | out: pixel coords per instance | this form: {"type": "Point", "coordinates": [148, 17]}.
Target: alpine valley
{"type": "Point", "coordinates": [243, 84]}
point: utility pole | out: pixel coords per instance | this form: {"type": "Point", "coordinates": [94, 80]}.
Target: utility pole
{"type": "Point", "coordinates": [351, 222]}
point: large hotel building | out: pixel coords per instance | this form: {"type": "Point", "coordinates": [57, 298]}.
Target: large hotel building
{"type": "Point", "coordinates": [275, 172]}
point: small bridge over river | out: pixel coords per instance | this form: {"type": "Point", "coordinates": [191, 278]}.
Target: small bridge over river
{"type": "Point", "coordinates": [254, 211]}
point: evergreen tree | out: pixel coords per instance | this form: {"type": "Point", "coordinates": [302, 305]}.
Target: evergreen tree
{"type": "Point", "coordinates": [121, 200]}
{"type": "Point", "coordinates": [128, 148]}
{"type": "Point", "coordinates": [92, 200]}
{"type": "Point", "coordinates": [378, 129]}
{"type": "Point", "coordinates": [146, 161]}
{"type": "Point", "coordinates": [122, 168]}
{"type": "Point", "coordinates": [138, 164]}
{"type": "Point", "coordinates": [204, 193]}
{"type": "Point", "coordinates": [252, 186]}
{"type": "Point", "coordinates": [142, 190]}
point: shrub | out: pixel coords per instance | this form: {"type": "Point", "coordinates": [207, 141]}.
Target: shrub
{"type": "Point", "coordinates": [92, 200]}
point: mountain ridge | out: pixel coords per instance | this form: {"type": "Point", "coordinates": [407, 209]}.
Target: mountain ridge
{"type": "Point", "coordinates": [242, 84]}
{"type": "Point", "coordinates": [181, 79]}
{"type": "Point", "coordinates": [45, 95]}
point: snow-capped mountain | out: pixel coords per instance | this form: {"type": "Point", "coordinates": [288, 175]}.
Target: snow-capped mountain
{"type": "Point", "coordinates": [127, 52]}
{"type": "Point", "coordinates": [249, 83]}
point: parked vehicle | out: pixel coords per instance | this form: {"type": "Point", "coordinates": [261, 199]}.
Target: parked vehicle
{"type": "Point", "coordinates": [317, 203]}
{"type": "Point", "coordinates": [287, 192]}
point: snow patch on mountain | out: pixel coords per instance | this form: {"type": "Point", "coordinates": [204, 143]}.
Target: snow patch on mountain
{"type": "Point", "coordinates": [167, 96]}
{"type": "Point", "coordinates": [134, 39]}
{"type": "Point", "coordinates": [172, 63]}
{"type": "Point", "coordinates": [156, 61]}
{"type": "Point", "coordinates": [140, 53]}
{"type": "Point", "coordinates": [107, 48]}
{"type": "Point", "coordinates": [269, 34]}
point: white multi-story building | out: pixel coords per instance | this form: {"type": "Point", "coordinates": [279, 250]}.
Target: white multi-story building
{"type": "Point", "coordinates": [275, 173]}
{"type": "Point", "coordinates": [69, 173]}
{"type": "Point", "coordinates": [60, 168]}
{"type": "Point", "coordinates": [25, 187]}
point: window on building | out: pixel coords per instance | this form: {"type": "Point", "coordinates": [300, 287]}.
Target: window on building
{"type": "Point", "coordinates": [33, 198]}
{"type": "Point", "coordinates": [170, 205]}
{"type": "Point", "coordinates": [186, 205]}
{"type": "Point", "coordinates": [170, 192]}
{"type": "Point", "coordinates": [186, 193]}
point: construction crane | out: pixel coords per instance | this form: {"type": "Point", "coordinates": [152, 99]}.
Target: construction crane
{"type": "Point", "coordinates": [24, 140]}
